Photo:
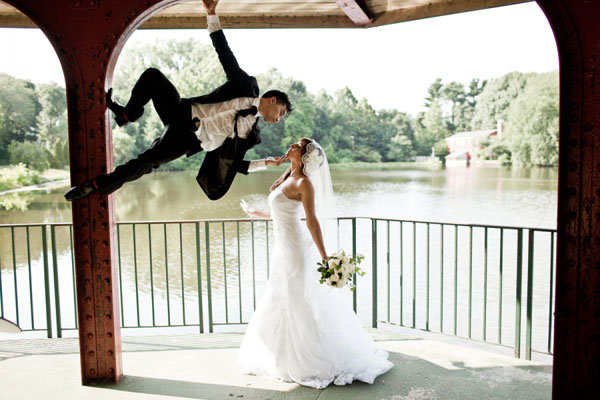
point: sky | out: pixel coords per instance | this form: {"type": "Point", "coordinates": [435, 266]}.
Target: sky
{"type": "Point", "coordinates": [391, 66]}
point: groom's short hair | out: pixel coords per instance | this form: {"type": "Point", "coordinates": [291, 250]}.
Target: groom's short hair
{"type": "Point", "coordinates": [282, 98]}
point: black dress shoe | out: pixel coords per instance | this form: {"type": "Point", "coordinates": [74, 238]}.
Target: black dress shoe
{"type": "Point", "coordinates": [117, 109]}
{"type": "Point", "coordinates": [80, 191]}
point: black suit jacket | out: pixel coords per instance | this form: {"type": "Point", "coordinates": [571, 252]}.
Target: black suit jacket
{"type": "Point", "coordinates": [222, 164]}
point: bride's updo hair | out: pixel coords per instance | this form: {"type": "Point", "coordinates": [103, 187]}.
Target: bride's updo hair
{"type": "Point", "coordinates": [305, 141]}
{"type": "Point", "coordinates": [313, 158]}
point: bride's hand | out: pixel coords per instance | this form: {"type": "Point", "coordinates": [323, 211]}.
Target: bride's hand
{"type": "Point", "coordinates": [246, 208]}
{"type": "Point", "coordinates": [254, 213]}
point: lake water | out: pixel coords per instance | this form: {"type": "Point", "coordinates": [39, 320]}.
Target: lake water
{"type": "Point", "coordinates": [166, 276]}
{"type": "Point", "coordinates": [523, 197]}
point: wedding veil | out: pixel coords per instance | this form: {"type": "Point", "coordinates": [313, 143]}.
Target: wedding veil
{"type": "Point", "coordinates": [316, 167]}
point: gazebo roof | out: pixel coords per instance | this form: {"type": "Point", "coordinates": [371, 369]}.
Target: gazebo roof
{"type": "Point", "coordinates": [293, 13]}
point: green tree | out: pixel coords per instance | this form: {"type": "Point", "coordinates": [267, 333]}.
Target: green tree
{"type": "Point", "coordinates": [52, 124]}
{"type": "Point", "coordinates": [401, 147]}
{"type": "Point", "coordinates": [453, 99]}
{"type": "Point", "coordinates": [429, 129]}
{"type": "Point", "coordinates": [28, 153]}
{"type": "Point", "coordinates": [475, 89]}
{"type": "Point", "coordinates": [440, 149]}
{"type": "Point", "coordinates": [434, 92]}
{"type": "Point", "coordinates": [495, 99]}
{"type": "Point", "coordinates": [300, 123]}
{"type": "Point", "coordinates": [532, 122]}
{"type": "Point", "coordinates": [19, 107]}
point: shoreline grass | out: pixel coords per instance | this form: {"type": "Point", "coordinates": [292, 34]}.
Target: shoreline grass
{"type": "Point", "coordinates": [18, 176]}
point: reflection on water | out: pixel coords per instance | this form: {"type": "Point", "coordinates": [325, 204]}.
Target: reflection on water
{"type": "Point", "coordinates": [18, 201]}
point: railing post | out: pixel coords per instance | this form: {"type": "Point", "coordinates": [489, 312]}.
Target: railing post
{"type": "Point", "coordinates": [388, 269]}
{"type": "Point", "coordinates": [30, 280]}
{"type": "Point", "coordinates": [14, 260]}
{"type": "Point", "coordinates": [427, 286]}
{"type": "Point", "coordinates": [401, 274]}
{"type": "Point", "coordinates": [518, 293]}
{"type": "Point", "coordinates": [56, 287]}
{"type": "Point", "coordinates": [470, 279]}
{"type": "Point", "coordinates": [485, 285]}
{"type": "Point", "coordinates": [73, 280]}
{"type": "Point", "coordinates": [374, 269]}
{"type": "Point", "coordinates": [225, 273]}
{"type": "Point", "coordinates": [199, 275]}
{"type": "Point", "coordinates": [455, 279]}
{"type": "Point", "coordinates": [354, 298]}
{"type": "Point", "coordinates": [530, 258]}
{"type": "Point", "coordinates": [167, 275]}
{"type": "Point", "coordinates": [120, 275]}
{"type": "Point", "coordinates": [151, 273]}
{"type": "Point", "coordinates": [208, 285]}
{"type": "Point", "coordinates": [253, 268]}
{"type": "Point", "coordinates": [135, 274]}
{"type": "Point", "coordinates": [181, 272]}
{"type": "Point", "coordinates": [414, 277]}
{"type": "Point", "coordinates": [551, 293]}
{"type": "Point", "coordinates": [46, 282]}
{"type": "Point", "coordinates": [500, 278]}
{"type": "Point", "coordinates": [442, 278]}
{"type": "Point", "coordinates": [239, 262]}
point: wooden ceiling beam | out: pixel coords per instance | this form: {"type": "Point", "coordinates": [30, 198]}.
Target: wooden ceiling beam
{"type": "Point", "coordinates": [244, 14]}
{"type": "Point", "coordinates": [356, 10]}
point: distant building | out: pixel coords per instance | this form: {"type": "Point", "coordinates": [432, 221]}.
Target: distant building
{"type": "Point", "coordinates": [463, 146]}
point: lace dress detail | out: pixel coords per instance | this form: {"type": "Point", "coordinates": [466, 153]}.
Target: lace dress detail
{"type": "Point", "coordinates": [302, 331]}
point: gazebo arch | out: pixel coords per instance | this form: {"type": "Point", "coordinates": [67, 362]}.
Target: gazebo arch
{"type": "Point", "coordinates": [88, 37]}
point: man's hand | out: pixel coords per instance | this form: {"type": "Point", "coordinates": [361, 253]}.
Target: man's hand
{"type": "Point", "coordinates": [210, 6]}
{"type": "Point", "coordinates": [276, 161]}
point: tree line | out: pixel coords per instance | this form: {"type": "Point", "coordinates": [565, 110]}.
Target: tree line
{"type": "Point", "coordinates": [33, 122]}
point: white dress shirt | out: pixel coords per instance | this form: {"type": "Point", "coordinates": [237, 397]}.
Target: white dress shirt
{"type": "Point", "coordinates": [217, 120]}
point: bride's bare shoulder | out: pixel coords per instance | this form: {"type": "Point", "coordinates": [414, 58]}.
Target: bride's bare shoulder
{"type": "Point", "coordinates": [305, 185]}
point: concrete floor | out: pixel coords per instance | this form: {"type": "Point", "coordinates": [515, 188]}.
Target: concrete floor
{"type": "Point", "coordinates": [203, 367]}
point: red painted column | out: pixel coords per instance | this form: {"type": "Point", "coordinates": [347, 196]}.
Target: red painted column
{"type": "Point", "coordinates": [577, 312]}
{"type": "Point", "coordinates": [88, 36]}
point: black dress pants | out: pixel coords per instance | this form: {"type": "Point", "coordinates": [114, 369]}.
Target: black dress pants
{"type": "Point", "coordinates": [177, 139]}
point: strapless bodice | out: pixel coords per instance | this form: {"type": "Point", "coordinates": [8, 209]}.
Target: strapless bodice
{"type": "Point", "coordinates": [284, 208]}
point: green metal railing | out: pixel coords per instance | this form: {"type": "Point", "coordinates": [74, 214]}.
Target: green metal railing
{"type": "Point", "coordinates": [441, 277]}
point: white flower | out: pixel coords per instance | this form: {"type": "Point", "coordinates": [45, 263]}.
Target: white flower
{"type": "Point", "coordinates": [347, 268]}
{"type": "Point", "coordinates": [332, 263]}
{"type": "Point", "coordinates": [345, 259]}
{"type": "Point", "coordinates": [346, 276]}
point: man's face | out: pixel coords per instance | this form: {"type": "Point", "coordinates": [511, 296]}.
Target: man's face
{"type": "Point", "coordinates": [272, 111]}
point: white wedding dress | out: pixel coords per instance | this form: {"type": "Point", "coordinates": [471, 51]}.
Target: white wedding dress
{"type": "Point", "coordinates": [302, 331]}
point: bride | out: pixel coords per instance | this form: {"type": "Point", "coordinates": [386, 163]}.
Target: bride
{"type": "Point", "coordinates": [302, 331]}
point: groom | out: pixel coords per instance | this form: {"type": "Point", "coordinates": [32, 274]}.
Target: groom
{"type": "Point", "coordinates": [224, 123]}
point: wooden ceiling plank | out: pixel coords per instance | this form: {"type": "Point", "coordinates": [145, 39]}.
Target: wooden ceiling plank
{"type": "Point", "coordinates": [356, 10]}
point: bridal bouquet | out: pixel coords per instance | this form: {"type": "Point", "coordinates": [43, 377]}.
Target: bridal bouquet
{"type": "Point", "coordinates": [338, 269]}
